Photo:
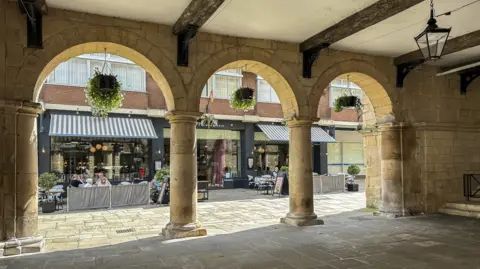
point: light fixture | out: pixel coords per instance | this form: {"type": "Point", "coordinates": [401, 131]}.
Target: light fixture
{"type": "Point", "coordinates": [261, 150]}
{"type": "Point", "coordinates": [92, 149]}
{"type": "Point", "coordinates": [432, 40]}
{"type": "Point", "coordinates": [98, 146]}
{"type": "Point", "coordinates": [159, 151]}
{"type": "Point", "coordinates": [43, 149]}
{"type": "Point", "coordinates": [104, 148]}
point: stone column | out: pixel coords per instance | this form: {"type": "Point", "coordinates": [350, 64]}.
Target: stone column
{"type": "Point", "coordinates": [19, 180]}
{"type": "Point", "coordinates": [300, 175]}
{"type": "Point", "coordinates": [371, 153]}
{"type": "Point", "coordinates": [391, 171]}
{"type": "Point", "coordinates": [183, 176]}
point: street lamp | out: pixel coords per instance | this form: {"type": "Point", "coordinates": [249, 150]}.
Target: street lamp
{"type": "Point", "coordinates": [432, 40]}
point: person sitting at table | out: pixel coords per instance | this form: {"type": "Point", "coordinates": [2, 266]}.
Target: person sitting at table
{"type": "Point", "coordinates": [268, 172]}
{"type": "Point", "coordinates": [88, 184]}
{"type": "Point", "coordinates": [103, 181]}
{"type": "Point", "coordinates": [76, 181]}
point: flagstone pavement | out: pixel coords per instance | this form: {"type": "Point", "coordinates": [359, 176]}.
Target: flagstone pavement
{"type": "Point", "coordinates": [227, 211]}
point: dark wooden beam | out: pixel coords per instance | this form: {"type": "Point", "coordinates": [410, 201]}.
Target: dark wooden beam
{"type": "Point", "coordinates": [371, 15]}
{"type": "Point", "coordinates": [196, 13]}
{"type": "Point", "coordinates": [453, 45]}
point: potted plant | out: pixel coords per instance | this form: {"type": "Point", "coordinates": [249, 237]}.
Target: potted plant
{"type": "Point", "coordinates": [103, 94]}
{"type": "Point", "coordinates": [162, 173]}
{"type": "Point", "coordinates": [347, 101]}
{"type": "Point", "coordinates": [352, 170]}
{"type": "Point", "coordinates": [46, 181]}
{"type": "Point", "coordinates": [243, 99]}
{"type": "Point", "coordinates": [208, 120]}
{"type": "Point", "coordinates": [284, 169]}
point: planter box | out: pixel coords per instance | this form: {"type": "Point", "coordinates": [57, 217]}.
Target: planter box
{"type": "Point", "coordinates": [48, 207]}
{"type": "Point", "coordinates": [352, 187]}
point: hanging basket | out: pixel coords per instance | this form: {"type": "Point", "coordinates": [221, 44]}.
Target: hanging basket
{"type": "Point", "coordinates": [243, 99]}
{"type": "Point", "coordinates": [347, 101]}
{"type": "Point", "coordinates": [107, 83]}
{"type": "Point", "coordinates": [103, 94]}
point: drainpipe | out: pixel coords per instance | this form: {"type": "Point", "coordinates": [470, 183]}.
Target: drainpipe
{"type": "Point", "coordinates": [401, 169]}
{"type": "Point", "coordinates": [15, 174]}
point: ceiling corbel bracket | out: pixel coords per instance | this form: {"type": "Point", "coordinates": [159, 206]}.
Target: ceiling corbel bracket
{"type": "Point", "coordinates": [33, 11]}
{"type": "Point", "coordinates": [309, 57]}
{"type": "Point", "coordinates": [404, 68]}
{"type": "Point", "coordinates": [183, 38]}
{"type": "Point", "coordinates": [466, 77]}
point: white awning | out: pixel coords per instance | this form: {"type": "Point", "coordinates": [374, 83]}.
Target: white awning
{"type": "Point", "coordinates": [111, 127]}
{"type": "Point", "coordinates": [279, 133]}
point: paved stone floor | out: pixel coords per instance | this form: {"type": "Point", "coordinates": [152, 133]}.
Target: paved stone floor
{"type": "Point", "coordinates": [347, 240]}
{"type": "Point", "coordinates": [227, 211]}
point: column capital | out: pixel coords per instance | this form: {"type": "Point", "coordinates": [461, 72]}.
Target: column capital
{"type": "Point", "coordinates": [391, 126]}
{"type": "Point", "coordinates": [12, 106]}
{"type": "Point", "coordinates": [183, 116]}
{"type": "Point", "coordinates": [295, 123]}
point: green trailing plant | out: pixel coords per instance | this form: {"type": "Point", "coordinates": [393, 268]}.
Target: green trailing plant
{"type": "Point", "coordinates": [162, 173]}
{"type": "Point", "coordinates": [102, 101]}
{"type": "Point", "coordinates": [347, 101]}
{"type": "Point", "coordinates": [47, 180]}
{"type": "Point", "coordinates": [240, 101]}
{"type": "Point", "coordinates": [208, 120]}
{"type": "Point", "coordinates": [353, 170]}
{"type": "Point", "coordinates": [284, 169]}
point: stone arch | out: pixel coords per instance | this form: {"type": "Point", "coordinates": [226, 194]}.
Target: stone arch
{"type": "Point", "coordinates": [94, 39]}
{"type": "Point", "coordinates": [377, 87]}
{"type": "Point", "coordinates": [283, 79]}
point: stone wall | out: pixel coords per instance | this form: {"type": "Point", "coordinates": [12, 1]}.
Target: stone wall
{"type": "Point", "coordinates": [436, 117]}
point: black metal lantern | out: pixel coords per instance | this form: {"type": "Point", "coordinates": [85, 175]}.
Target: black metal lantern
{"type": "Point", "coordinates": [432, 40]}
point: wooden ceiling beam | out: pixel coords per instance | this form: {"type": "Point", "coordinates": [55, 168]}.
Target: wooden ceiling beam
{"type": "Point", "coordinates": [371, 15]}
{"type": "Point", "coordinates": [197, 13]}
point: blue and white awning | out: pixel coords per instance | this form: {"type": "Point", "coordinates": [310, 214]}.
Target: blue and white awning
{"type": "Point", "coordinates": [111, 127]}
{"type": "Point", "coordinates": [279, 133]}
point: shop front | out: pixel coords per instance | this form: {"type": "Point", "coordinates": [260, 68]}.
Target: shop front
{"type": "Point", "coordinates": [119, 147]}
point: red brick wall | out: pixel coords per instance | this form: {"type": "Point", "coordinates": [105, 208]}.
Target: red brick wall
{"type": "Point", "coordinates": [326, 112]}
{"type": "Point", "coordinates": [153, 98]}
{"type": "Point", "coordinates": [75, 96]}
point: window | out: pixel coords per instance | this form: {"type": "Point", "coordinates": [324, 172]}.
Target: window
{"type": "Point", "coordinates": [339, 87]}
{"type": "Point", "coordinates": [76, 71]}
{"type": "Point", "coordinates": [223, 84]}
{"type": "Point", "coordinates": [265, 92]}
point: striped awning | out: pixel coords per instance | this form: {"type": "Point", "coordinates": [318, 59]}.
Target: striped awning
{"type": "Point", "coordinates": [112, 127]}
{"type": "Point", "coordinates": [280, 133]}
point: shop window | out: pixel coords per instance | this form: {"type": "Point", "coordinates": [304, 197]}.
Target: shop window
{"type": "Point", "coordinates": [76, 71]}
{"type": "Point", "coordinates": [218, 153]}
{"type": "Point", "coordinates": [119, 159]}
{"type": "Point", "coordinates": [343, 154]}
{"type": "Point", "coordinates": [265, 92]}
{"type": "Point", "coordinates": [339, 87]}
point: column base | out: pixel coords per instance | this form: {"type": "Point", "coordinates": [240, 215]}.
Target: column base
{"type": "Point", "coordinates": [24, 245]}
{"type": "Point", "coordinates": [394, 213]}
{"type": "Point", "coordinates": [305, 220]}
{"type": "Point", "coordinates": [172, 231]}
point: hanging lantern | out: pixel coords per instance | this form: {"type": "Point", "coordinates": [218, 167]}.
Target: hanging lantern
{"type": "Point", "coordinates": [104, 148]}
{"type": "Point", "coordinates": [261, 150]}
{"type": "Point", "coordinates": [432, 40]}
{"type": "Point", "coordinates": [98, 146]}
{"type": "Point", "coordinates": [92, 150]}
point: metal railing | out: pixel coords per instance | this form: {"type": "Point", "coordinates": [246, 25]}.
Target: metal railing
{"type": "Point", "coordinates": [471, 186]}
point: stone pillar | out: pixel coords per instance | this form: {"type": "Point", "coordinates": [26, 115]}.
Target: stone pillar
{"type": "Point", "coordinates": [300, 175]}
{"type": "Point", "coordinates": [183, 176]}
{"type": "Point", "coordinates": [19, 180]}
{"type": "Point", "coordinates": [391, 171]}
{"type": "Point", "coordinates": [371, 153]}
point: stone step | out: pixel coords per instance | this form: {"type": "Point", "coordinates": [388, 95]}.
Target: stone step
{"type": "Point", "coordinates": [456, 212]}
{"type": "Point", "coordinates": [465, 206]}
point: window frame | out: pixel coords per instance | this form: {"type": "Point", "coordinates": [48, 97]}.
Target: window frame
{"type": "Point", "coordinates": [88, 58]}
{"type": "Point", "coordinates": [259, 78]}
{"type": "Point", "coordinates": [206, 90]}
{"type": "Point", "coordinates": [332, 85]}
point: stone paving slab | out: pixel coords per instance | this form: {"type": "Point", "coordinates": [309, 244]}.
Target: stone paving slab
{"type": "Point", "coordinates": [435, 241]}
{"type": "Point", "coordinates": [227, 211]}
